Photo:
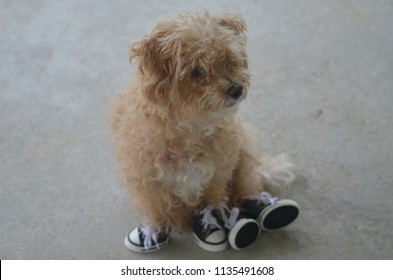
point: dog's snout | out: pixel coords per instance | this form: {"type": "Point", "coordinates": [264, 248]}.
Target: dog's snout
{"type": "Point", "coordinates": [235, 91]}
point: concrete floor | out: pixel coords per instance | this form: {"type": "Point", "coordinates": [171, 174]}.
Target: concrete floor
{"type": "Point", "coordinates": [322, 92]}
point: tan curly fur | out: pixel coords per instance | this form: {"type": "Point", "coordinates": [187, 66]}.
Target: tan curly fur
{"type": "Point", "coordinates": [176, 132]}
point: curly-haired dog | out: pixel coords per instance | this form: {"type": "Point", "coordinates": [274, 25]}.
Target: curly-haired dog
{"type": "Point", "coordinates": [183, 153]}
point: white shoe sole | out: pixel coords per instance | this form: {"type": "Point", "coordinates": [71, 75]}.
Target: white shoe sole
{"type": "Point", "coordinates": [243, 233]}
{"type": "Point", "coordinates": [211, 247]}
{"type": "Point", "coordinates": [278, 215]}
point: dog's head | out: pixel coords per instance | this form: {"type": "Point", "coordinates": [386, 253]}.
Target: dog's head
{"type": "Point", "coordinates": [194, 62]}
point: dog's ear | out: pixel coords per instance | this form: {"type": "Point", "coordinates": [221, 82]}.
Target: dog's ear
{"type": "Point", "coordinates": [158, 58]}
{"type": "Point", "coordinates": [151, 52]}
{"type": "Point", "coordinates": [233, 22]}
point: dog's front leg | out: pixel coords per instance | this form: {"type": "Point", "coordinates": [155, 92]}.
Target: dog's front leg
{"type": "Point", "coordinates": [216, 192]}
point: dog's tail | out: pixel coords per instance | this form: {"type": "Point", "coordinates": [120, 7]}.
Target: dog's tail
{"type": "Point", "coordinates": [278, 175]}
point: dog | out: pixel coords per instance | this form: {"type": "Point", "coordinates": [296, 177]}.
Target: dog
{"type": "Point", "coordinates": [184, 155]}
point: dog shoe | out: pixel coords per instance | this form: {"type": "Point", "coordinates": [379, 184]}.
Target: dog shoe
{"type": "Point", "coordinates": [271, 213]}
{"type": "Point", "coordinates": [242, 230]}
{"type": "Point", "coordinates": [146, 239]}
{"type": "Point", "coordinates": [208, 233]}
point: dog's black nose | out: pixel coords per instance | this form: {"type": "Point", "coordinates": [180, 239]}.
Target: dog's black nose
{"type": "Point", "coordinates": [235, 91]}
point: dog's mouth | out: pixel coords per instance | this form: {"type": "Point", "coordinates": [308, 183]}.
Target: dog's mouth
{"type": "Point", "coordinates": [231, 102]}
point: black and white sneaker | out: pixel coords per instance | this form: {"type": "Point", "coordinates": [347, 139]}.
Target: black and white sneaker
{"type": "Point", "coordinates": [208, 233]}
{"type": "Point", "coordinates": [146, 239]}
{"type": "Point", "coordinates": [242, 230]}
{"type": "Point", "coordinates": [271, 213]}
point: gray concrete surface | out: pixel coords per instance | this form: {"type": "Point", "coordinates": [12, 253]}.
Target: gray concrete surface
{"type": "Point", "coordinates": [322, 92]}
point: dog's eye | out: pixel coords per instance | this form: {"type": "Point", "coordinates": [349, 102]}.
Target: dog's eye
{"type": "Point", "coordinates": [197, 73]}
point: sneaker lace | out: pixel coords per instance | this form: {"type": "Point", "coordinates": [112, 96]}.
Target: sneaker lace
{"type": "Point", "coordinates": [232, 219]}
{"type": "Point", "coordinates": [208, 219]}
{"type": "Point", "coordinates": [149, 234]}
{"type": "Point", "coordinates": [267, 198]}
{"type": "Point", "coordinates": [264, 198]}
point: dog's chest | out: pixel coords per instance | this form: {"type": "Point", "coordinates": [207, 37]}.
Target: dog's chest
{"type": "Point", "coordinates": [197, 157]}
{"type": "Point", "coordinates": [189, 177]}
{"type": "Point", "coordinates": [192, 175]}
